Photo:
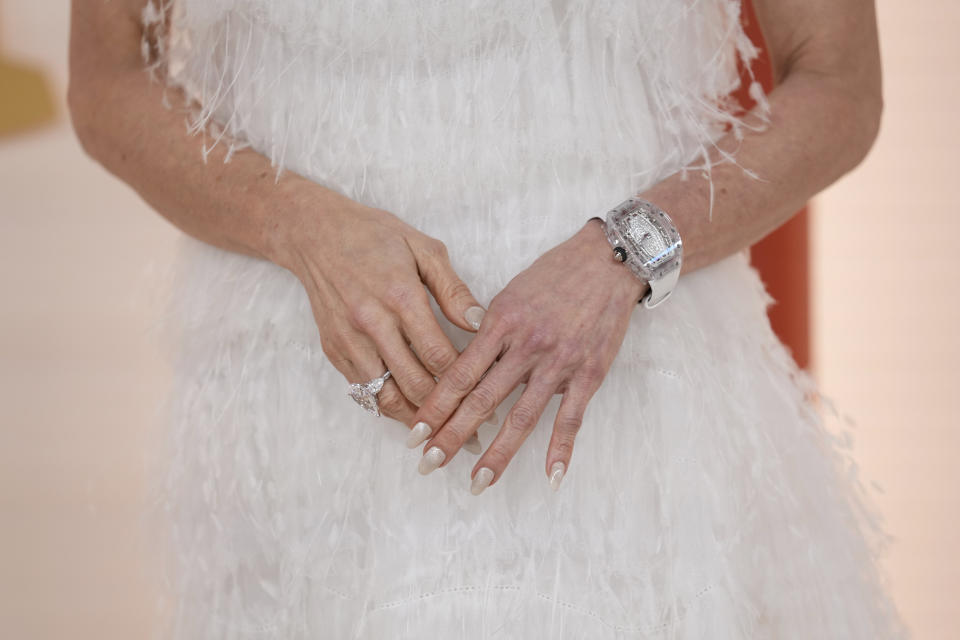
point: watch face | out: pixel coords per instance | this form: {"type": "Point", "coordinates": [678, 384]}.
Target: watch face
{"type": "Point", "coordinates": [651, 245]}
{"type": "Point", "coordinates": [647, 234]}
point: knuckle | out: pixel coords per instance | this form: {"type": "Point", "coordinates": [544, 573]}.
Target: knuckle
{"type": "Point", "coordinates": [420, 388]}
{"type": "Point", "coordinates": [505, 318]}
{"type": "Point", "coordinates": [592, 371]}
{"type": "Point", "coordinates": [481, 401]}
{"type": "Point", "coordinates": [540, 340]}
{"type": "Point", "coordinates": [569, 425]}
{"type": "Point", "coordinates": [456, 289]}
{"type": "Point", "coordinates": [564, 449]}
{"type": "Point", "coordinates": [435, 248]}
{"type": "Point", "coordinates": [459, 380]}
{"type": "Point", "coordinates": [437, 357]}
{"type": "Point", "coordinates": [522, 418]}
{"type": "Point", "coordinates": [568, 351]}
{"type": "Point", "coordinates": [365, 315]}
{"type": "Point", "coordinates": [398, 295]}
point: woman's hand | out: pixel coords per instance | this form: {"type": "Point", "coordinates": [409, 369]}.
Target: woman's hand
{"type": "Point", "coordinates": [556, 326]}
{"type": "Point", "coordinates": [364, 270]}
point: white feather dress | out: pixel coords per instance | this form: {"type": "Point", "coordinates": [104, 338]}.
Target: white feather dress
{"type": "Point", "coordinates": [706, 497]}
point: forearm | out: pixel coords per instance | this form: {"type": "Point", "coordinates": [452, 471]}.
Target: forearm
{"type": "Point", "coordinates": [825, 114]}
{"type": "Point", "coordinates": [818, 131]}
{"type": "Point", "coordinates": [120, 119]}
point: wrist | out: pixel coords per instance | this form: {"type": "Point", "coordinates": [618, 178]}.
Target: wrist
{"type": "Point", "coordinates": [645, 238]}
{"type": "Point", "coordinates": [612, 272]}
{"type": "Point", "coordinates": [302, 216]}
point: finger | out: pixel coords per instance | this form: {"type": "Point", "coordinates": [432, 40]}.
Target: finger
{"type": "Point", "coordinates": [565, 428]}
{"type": "Point", "coordinates": [394, 404]}
{"type": "Point", "coordinates": [452, 294]}
{"type": "Point", "coordinates": [520, 422]}
{"type": "Point", "coordinates": [473, 410]}
{"type": "Point", "coordinates": [431, 345]}
{"type": "Point", "coordinates": [455, 383]}
{"type": "Point", "coordinates": [362, 352]}
{"type": "Point", "coordinates": [340, 362]}
{"type": "Point", "coordinates": [379, 323]}
{"type": "Point", "coordinates": [414, 381]}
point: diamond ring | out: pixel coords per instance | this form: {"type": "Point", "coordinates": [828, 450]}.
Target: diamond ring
{"type": "Point", "coordinates": [365, 393]}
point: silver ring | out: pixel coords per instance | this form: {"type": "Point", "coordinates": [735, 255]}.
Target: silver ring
{"type": "Point", "coordinates": [365, 393]}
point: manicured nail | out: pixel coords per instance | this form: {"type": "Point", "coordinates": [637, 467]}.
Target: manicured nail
{"type": "Point", "coordinates": [473, 445]}
{"type": "Point", "coordinates": [473, 316]}
{"type": "Point", "coordinates": [420, 432]}
{"type": "Point", "coordinates": [494, 419]}
{"type": "Point", "coordinates": [481, 481]}
{"type": "Point", "coordinates": [556, 474]}
{"type": "Point", "coordinates": [431, 460]}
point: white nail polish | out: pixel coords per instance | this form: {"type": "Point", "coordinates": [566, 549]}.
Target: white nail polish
{"type": "Point", "coordinates": [556, 474]}
{"type": "Point", "coordinates": [420, 432]}
{"type": "Point", "coordinates": [473, 316]}
{"type": "Point", "coordinates": [493, 419]}
{"type": "Point", "coordinates": [481, 481]}
{"type": "Point", "coordinates": [431, 460]}
{"type": "Point", "coordinates": [473, 445]}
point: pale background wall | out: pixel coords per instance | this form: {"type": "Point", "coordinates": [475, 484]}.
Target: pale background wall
{"type": "Point", "coordinates": [80, 372]}
{"type": "Point", "coordinates": [886, 243]}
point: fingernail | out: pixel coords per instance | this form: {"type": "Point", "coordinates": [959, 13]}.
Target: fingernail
{"type": "Point", "coordinates": [431, 460]}
{"type": "Point", "coordinates": [556, 474]}
{"type": "Point", "coordinates": [473, 445]}
{"type": "Point", "coordinates": [473, 316]}
{"type": "Point", "coordinates": [420, 432]}
{"type": "Point", "coordinates": [481, 481]}
{"type": "Point", "coordinates": [494, 419]}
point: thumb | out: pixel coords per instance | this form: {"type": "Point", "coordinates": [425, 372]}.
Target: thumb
{"type": "Point", "coordinates": [452, 294]}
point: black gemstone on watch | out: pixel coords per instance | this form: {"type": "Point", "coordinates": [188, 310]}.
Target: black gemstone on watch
{"type": "Point", "coordinates": [620, 254]}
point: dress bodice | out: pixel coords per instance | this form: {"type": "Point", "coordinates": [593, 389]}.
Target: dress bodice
{"type": "Point", "coordinates": [523, 116]}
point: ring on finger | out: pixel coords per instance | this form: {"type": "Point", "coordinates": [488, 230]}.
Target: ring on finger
{"type": "Point", "coordinates": [365, 393]}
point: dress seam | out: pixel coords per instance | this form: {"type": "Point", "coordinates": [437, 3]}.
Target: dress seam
{"type": "Point", "coordinates": [686, 609]}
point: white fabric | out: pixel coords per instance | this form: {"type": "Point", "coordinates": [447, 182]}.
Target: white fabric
{"type": "Point", "coordinates": [705, 498]}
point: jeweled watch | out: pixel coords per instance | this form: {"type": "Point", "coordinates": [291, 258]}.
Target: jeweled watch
{"type": "Point", "coordinates": [644, 237]}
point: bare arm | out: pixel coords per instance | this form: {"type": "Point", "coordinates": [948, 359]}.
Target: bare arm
{"type": "Point", "coordinates": [559, 324]}
{"type": "Point", "coordinates": [825, 114]}
{"type": "Point", "coordinates": [365, 279]}
{"type": "Point", "coordinates": [121, 122]}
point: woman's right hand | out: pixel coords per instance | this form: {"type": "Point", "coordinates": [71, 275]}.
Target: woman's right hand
{"type": "Point", "coordinates": [364, 271]}
{"type": "Point", "coordinates": [363, 268]}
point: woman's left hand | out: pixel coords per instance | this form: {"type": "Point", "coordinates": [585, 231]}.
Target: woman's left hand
{"type": "Point", "coordinates": [556, 326]}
